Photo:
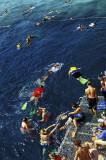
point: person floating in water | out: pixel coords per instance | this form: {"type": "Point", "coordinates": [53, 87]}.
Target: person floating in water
{"type": "Point", "coordinates": [91, 97]}
{"type": "Point", "coordinates": [81, 27]}
{"type": "Point", "coordinates": [31, 36]}
{"type": "Point", "coordinates": [25, 126]}
{"type": "Point", "coordinates": [46, 137]}
{"type": "Point", "coordinates": [76, 74]}
{"type": "Point", "coordinates": [51, 71]}
{"type": "Point", "coordinates": [28, 10]}
{"type": "Point", "coordinates": [37, 93]}
{"type": "Point", "coordinates": [67, 1]}
{"type": "Point", "coordinates": [19, 46]}
{"type": "Point", "coordinates": [45, 114]}
{"type": "Point", "coordinates": [92, 24]}
{"type": "Point", "coordinates": [54, 156]}
{"type": "Point", "coordinates": [5, 11]}
{"type": "Point", "coordinates": [28, 41]}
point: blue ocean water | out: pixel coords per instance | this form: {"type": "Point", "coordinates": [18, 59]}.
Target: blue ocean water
{"type": "Point", "coordinates": [56, 41]}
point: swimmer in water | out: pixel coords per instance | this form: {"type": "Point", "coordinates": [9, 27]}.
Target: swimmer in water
{"type": "Point", "coordinates": [92, 24]}
{"type": "Point", "coordinates": [5, 11]}
{"type": "Point", "coordinates": [54, 156]}
{"type": "Point", "coordinates": [45, 136]}
{"type": "Point", "coordinates": [28, 41]}
{"type": "Point", "coordinates": [19, 46]}
{"type": "Point", "coordinates": [80, 27]}
{"type": "Point", "coordinates": [37, 93]}
{"type": "Point", "coordinates": [45, 114]}
{"type": "Point", "coordinates": [25, 126]}
{"type": "Point", "coordinates": [51, 71]}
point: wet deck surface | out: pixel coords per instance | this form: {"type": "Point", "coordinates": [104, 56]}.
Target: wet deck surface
{"type": "Point", "coordinates": [67, 148]}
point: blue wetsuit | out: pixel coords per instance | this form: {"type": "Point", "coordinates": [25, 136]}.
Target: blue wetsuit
{"type": "Point", "coordinates": [102, 136]}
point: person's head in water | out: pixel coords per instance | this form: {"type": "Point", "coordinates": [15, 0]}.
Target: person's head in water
{"type": "Point", "coordinates": [52, 155]}
{"type": "Point", "coordinates": [77, 142]}
{"type": "Point", "coordinates": [89, 83]}
{"type": "Point", "coordinates": [43, 132]}
{"type": "Point", "coordinates": [39, 112]}
{"type": "Point", "coordinates": [74, 105]}
{"type": "Point", "coordinates": [45, 19]}
{"type": "Point", "coordinates": [5, 11]}
{"type": "Point", "coordinates": [100, 77]}
{"type": "Point", "coordinates": [24, 119]}
{"type": "Point", "coordinates": [41, 86]}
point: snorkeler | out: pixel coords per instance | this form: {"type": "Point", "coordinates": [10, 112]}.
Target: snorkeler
{"type": "Point", "coordinates": [80, 27]}
{"type": "Point", "coordinates": [92, 24]}
{"type": "Point", "coordinates": [31, 36]}
{"type": "Point", "coordinates": [25, 126]}
{"type": "Point", "coordinates": [5, 11]}
{"type": "Point", "coordinates": [76, 117]}
{"type": "Point", "coordinates": [76, 74]}
{"type": "Point", "coordinates": [51, 71]}
{"type": "Point", "coordinates": [45, 114]}
{"type": "Point", "coordinates": [37, 93]}
{"type": "Point", "coordinates": [28, 41]}
{"type": "Point", "coordinates": [45, 136]}
{"type": "Point", "coordinates": [54, 156]}
{"type": "Point", "coordinates": [19, 46]}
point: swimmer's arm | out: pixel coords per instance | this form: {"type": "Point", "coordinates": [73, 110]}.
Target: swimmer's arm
{"type": "Point", "coordinates": [75, 112]}
{"type": "Point", "coordinates": [78, 68]}
{"type": "Point", "coordinates": [41, 108]}
{"type": "Point", "coordinates": [50, 126]}
{"type": "Point", "coordinates": [43, 118]}
{"type": "Point", "coordinates": [29, 120]}
{"type": "Point", "coordinates": [69, 73]}
{"type": "Point", "coordinates": [53, 130]}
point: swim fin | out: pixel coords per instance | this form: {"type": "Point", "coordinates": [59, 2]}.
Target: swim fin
{"type": "Point", "coordinates": [24, 106]}
{"type": "Point", "coordinates": [33, 112]}
{"type": "Point", "coordinates": [83, 80]}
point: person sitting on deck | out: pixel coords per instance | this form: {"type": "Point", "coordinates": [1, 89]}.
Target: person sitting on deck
{"type": "Point", "coordinates": [103, 83]}
{"type": "Point", "coordinates": [45, 114]}
{"type": "Point", "coordinates": [76, 116]}
{"type": "Point", "coordinates": [82, 153]}
{"type": "Point", "coordinates": [45, 136]}
{"type": "Point", "coordinates": [53, 156]}
{"type": "Point", "coordinates": [101, 139]}
{"type": "Point", "coordinates": [94, 153]}
{"type": "Point", "coordinates": [91, 97]}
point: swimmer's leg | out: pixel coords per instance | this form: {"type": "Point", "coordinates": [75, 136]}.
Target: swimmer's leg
{"type": "Point", "coordinates": [36, 101]}
{"type": "Point", "coordinates": [31, 99]}
{"type": "Point", "coordinates": [76, 126]}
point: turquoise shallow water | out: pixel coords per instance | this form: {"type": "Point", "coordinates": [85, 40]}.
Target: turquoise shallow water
{"type": "Point", "coordinates": [57, 41]}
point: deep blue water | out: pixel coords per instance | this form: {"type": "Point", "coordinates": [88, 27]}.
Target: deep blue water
{"type": "Point", "coordinates": [56, 41]}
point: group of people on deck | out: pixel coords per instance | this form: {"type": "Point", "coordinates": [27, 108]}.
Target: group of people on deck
{"type": "Point", "coordinates": [75, 117]}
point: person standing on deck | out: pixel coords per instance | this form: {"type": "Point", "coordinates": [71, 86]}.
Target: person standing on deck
{"type": "Point", "coordinates": [91, 97]}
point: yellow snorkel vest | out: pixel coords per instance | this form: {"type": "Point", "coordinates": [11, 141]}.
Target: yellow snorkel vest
{"type": "Point", "coordinates": [73, 69]}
